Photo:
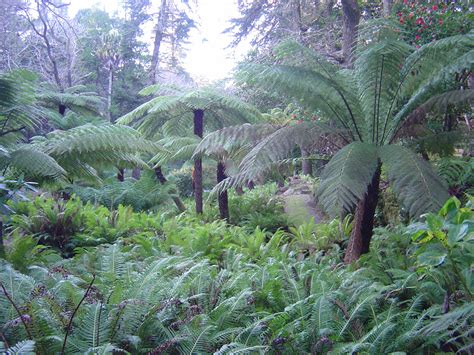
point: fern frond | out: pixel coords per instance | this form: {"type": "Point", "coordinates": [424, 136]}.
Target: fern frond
{"type": "Point", "coordinates": [230, 139]}
{"type": "Point", "coordinates": [277, 146]}
{"type": "Point", "coordinates": [174, 149]}
{"type": "Point", "coordinates": [34, 163]}
{"type": "Point", "coordinates": [25, 347]}
{"type": "Point", "coordinates": [318, 90]}
{"type": "Point", "coordinates": [220, 110]}
{"type": "Point", "coordinates": [440, 102]}
{"type": "Point", "coordinates": [345, 178]}
{"type": "Point", "coordinates": [417, 186]}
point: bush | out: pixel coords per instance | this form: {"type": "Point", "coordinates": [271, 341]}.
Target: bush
{"type": "Point", "coordinates": [258, 208]}
{"type": "Point", "coordinates": [68, 224]}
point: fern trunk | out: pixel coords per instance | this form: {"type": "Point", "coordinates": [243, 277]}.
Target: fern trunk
{"type": "Point", "coordinates": [109, 93]}
{"type": "Point", "coordinates": [306, 166]}
{"type": "Point", "coordinates": [121, 175]}
{"type": "Point", "coordinates": [223, 198]}
{"type": "Point", "coordinates": [162, 179]}
{"type": "Point", "coordinates": [363, 221]}
{"type": "Point", "coordinates": [198, 131]}
{"type": "Point", "coordinates": [2, 247]}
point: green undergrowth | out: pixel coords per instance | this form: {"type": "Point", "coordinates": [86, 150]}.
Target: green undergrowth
{"type": "Point", "coordinates": [199, 288]}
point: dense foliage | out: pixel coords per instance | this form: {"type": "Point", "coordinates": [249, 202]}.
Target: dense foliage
{"type": "Point", "coordinates": [203, 288]}
{"type": "Point", "coordinates": [334, 217]}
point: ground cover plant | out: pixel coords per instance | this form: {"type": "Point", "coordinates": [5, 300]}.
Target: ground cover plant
{"type": "Point", "coordinates": [204, 290]}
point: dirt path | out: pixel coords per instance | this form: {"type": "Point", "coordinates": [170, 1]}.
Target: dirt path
{"type": "Point", "coordinates": [299, 203]}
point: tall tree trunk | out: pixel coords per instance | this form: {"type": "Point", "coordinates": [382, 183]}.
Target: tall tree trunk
{"type": "Point", "coordinates": [363, 221]}
{"type": "Point", "coordinates": [351, 18]}
{"type": "Point", "coordinates": [121, 175]}
{"type": "Point", "coordinates": [306, 165]}
{"type": "Point", "coordinates": [251, 185]}
{"type": "Point", "coordinates": [198, 131]}
{"type": "Point", "coordinates": [159, 35]}
{"type": "Point", "coordinates": [109, 93]}
{"type": "Point", "coordinates": [223, 197]}
{"type": "Point", "coordinates": [162, 179]}
{"type": "Point", "coordinates": [387, 7]}
{"type": "Point", "coordinates": [2, 246]}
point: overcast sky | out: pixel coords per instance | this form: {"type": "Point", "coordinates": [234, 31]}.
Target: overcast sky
{"type": "Point", "coordinates": [207, 55]}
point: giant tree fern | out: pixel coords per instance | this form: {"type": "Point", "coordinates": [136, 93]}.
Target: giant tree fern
{"type": "Point", "coordinates": [368, 105]}
{"type": "Point", "coordinates": [176, 112]}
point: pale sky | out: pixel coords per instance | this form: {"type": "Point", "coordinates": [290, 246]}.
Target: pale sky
{"type": "Point", "coordinates": [207, 58]}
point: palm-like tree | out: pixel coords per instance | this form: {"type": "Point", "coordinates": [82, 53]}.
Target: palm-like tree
{"type": "Point", "coordinates": [367, 107]}
{"type": "Point", "coordinates": [59, 154]}
{"type": "Point", "coordinates": [176, 112]}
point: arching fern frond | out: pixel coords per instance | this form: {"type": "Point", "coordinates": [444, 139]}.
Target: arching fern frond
{"type": "Point", "coordinates": [172, 149]}
{"type": "Point", "coordinates": [417, 185]}
{"type": "Point", "coordinates": [277, 146]}
{"type": "Point", "coordinates": [25, 347]}
{"type": "Point", "coordinates": [345, 178]}
{"type": "Point", "coordinates": [34, 163]}
{"type": "Point", "coordinates": [229, 139]}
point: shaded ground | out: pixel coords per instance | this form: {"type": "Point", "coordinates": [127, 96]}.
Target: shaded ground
{"type": "Point", "coordinates": [299, 202]}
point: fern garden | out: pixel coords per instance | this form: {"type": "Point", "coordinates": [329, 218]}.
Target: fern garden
{"type": "Point", "coordinates": [317, 199]}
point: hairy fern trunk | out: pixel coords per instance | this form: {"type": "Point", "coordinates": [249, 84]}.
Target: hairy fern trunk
{"type": "Point", "coordinates": [198, 131]}
{"type": "Point", "coordinates": [223, 198]}
{"type": "Point", "coordinates": [363, 221]}
{"type": "Point", "coordinates": [306, 166]}
{"type": "Point", "coordinates": [121, 175]}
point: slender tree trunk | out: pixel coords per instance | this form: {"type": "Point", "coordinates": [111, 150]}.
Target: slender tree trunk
{"type": "Point", "coordinates": [251, 185]}
{"type": "Point", "coordinates": [121, 175]}
{"type": "Point", "coordinates": [136, 173]}
{"type": "Point", "coordinates": [306, 165]}
{"type": "Point", "coordinates": [198, 131]}
{"type": "Point", "coordinates": [351, 18]}
{"type": "Point", "coordinates": [109, 93]}
{"type": "Point", "coordinates": [387, 7]}
{"type": "Point", "coordinates": [2, 246]}
{"type": "Point", "coordinates": [223, 197]}
{"type": "Point", "coordinates": [363, 222]}
{"type": "Point", "coordinates": [159, 35]}
{"type": "Point", "coordinates": [162, 179]}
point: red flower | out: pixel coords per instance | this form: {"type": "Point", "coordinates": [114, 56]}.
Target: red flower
{"type": "Point", "coordinates": [299, 121]}
{"type": "Point", "coordinates": [434, 8]}
{"type": "Point", "coordinates": [401, 20]}
{"type": "Point", "coordinates": [440, 21]}
{"type": "Point", "coordinates": [405, 1]}
{"type": "Point", "coordinates": [417, 38]}
{"type": "Point", "coordinates": [420, 21]}
{"type": "Point", "coordinates": [417, 46]}
{"type": "Point", "coordinates": [411, 14]}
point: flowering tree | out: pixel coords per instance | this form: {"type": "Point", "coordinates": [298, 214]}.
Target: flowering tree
{"type": "Point", "coordinates": [426, 21]}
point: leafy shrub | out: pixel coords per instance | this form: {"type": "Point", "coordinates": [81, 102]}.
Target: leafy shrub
{"type": "Point", "coordinates": [68, 224]}
{"type": "Point", "coordinates": [258, 208]}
